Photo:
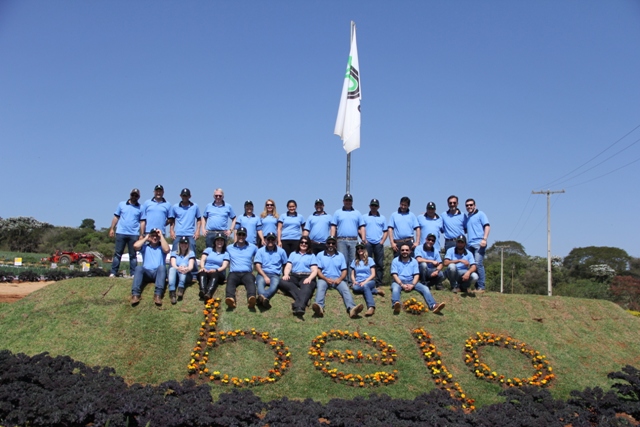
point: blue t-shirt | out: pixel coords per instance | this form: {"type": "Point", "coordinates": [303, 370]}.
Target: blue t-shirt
{"type": "Point", "coordinates": [421, 252]}
{"type": "Point", "coordinates": [128, 218]}
{"type": "Point", "coordinates": [218, 216]}
{"type": "Point", "coordinates": [183, 260]}
{"type": "Point", "coordinates": [453, 224]}
{"type": "Point", "coordinates": [271, 261]}
{"type": "Point", "coordinates": [252, 224]}
{"type": "Point", "coordinates": [474, 226]}
{"type": "Point", "coordinates": [362, 270]}
{"type": "Point", "coordinates": [241, 258]}
{"type": "Point", "coordinates": [185, 217]}
{"type": "Point", "coordinates": [453, 256]}
{"type": "Point", "coordinates": [152, 258]}
{"type": "Point", "coordinates": [214, 260]}
{"type": "Point", "coordinates": [375, 225]}
{"type": "Point", "coordinates": [301, 263]}
{"type": "Point", "coordinates": [347, 222]}
{"type": "Point", "coordinates": [269, 225]}
{"type": "Point", "coordinates": [318, 227]}
{"type": "Point", "coordinates": [405, 270]}
{"type": "Point", "coordinates": [403, 224]}
{"type": "Point", "coordinates": [430, 225]}
{"type": "Point", "coordinates": [331, 265]}
{"type": "Point", "coordinates": [291, 226]}
{"type": "Point", "coordinates": [155, 214]}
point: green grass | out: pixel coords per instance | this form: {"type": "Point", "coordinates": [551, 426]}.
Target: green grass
{"type": "Point", "coordinates": [583, 339]}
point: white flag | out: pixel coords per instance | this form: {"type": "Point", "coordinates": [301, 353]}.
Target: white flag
{"type": "Point", "coordinates": [348, 121]}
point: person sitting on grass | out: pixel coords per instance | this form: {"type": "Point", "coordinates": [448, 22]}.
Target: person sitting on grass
{"type": "Point", "coordinates": [363, 277]}
{"type": "Point", "coordinates": [268, 263]}
{"type": "Point", "coordinates": [460, 266]}
{"type": "Point", "coordinates": [213, 264]}
{"type": "Point", "coordinates": [241, 255]}
{"type": "Point", "coordinates": [182, 262]}
{"type": "Point", "coordinates": [430, 263]}
{"type": "Point", "coordinates": [154, 248]}
{"type": "Point", "coordinates": [405, 274]}
{"type": "Point", "coordinates": [299, 277]}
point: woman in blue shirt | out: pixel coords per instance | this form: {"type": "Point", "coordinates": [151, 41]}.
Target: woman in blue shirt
{"type": "Point", "coordinates": [363, 277]}
{"type": "Point", "coordinates": [290, 228]}
{"type": "Point", "coordinates": [269, 218]}
{"type": "Point", "coordinates": [213, 264]}
{"type": "Point", "coordinates": [299, 277]}
{"type": "Point", "coordinates": [182, 262]}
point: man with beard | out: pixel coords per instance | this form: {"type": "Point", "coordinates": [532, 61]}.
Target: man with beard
{"type": "Point", "coordinates": [430, 263]}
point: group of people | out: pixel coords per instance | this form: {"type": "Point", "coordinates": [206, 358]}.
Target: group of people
{"type": "Point", "coordinates": [343, 251]}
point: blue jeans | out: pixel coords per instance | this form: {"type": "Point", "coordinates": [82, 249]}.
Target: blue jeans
{"type": "Point", "coordinates": [376, 251]}
{"type": "Point", "coordinates": [182, 279]}
{"type": "Point", "coordinates": [423, 289]}
{"type": "Point", "coordinates": [121, 241]}
{"type": "Point", "coordinates": [455, 277]}
{"type": "Point", "coordinates": [273, 287]}
{"type": "Point", "coordinates": [144, 275]}
{"type": "Point", "coordinates": [348, 249]}
{"type": "Point", "coordinates": [342, 287]}
{"type": "Point", "coordinates": [478, 254]}
{"type": "Point", "coordinates": [426, 270]}
{"type": "Point", "coordinates": [368, 289]}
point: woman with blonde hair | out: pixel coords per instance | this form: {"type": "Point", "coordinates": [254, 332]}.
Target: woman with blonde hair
{"type": "Point", "coordinates": [269, 218]}
{"type": "Point", "coordinates": [363, 277]}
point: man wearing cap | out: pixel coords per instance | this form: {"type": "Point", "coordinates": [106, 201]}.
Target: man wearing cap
{"type": "Point", "coordinates": [460, 266]}
{"type": "Point", "coordinates": [241, 255]}
{"type": "Point", "coordinates": [452, 223]}
{"type": "Point", "coordinates": [252, 223]}
{"type": "Point", "coordinates": [154, 249]}
{"type": "Point", "coordinates": [268, 263]}
{"type": "Point", "coordinates": [402, 226]}
{"type": "Point", "coordinates": [430, 263]}
{"type": "Point", "coordinates": [376, 231]}
{"type": "Point", "coordinates": [332, 271]}
{"type": "Point", "coordinates": [317, 227]}
{"type": "Point", "coordinates": [216, 218]}
{"type": "Point", "coordinates": [155, 212]}
{"type": "Point", "coordinates": [476, 225]}
{"type": "Point", "coordinates": [430, 223]}
{"type": "Point", "coordinates": [405, 275]}
{"type": "Point", "coordinates": [184, 220]}
{"type": "Point", "coordinates": [347, 223]}
{"type": "Point", "coordinates": [125, 227]}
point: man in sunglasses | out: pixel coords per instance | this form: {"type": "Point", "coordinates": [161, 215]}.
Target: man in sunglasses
{"type": "Point", "coordinates": [241, 255]}
{"type": "Point", "coordinates": [460, 266]}
{"type": "Point", "coordinates": [476, 225]}
{"type": "Point", "coordinates": [430, 263]}
{"type": "Point", "coordinates": [452, 223]}
{"type": "Point", "coordinates": [268, 263]}
{"type": "Point", "coordinates": [317, 227]}
{"type": "Point", "coordinates": [125, 227]}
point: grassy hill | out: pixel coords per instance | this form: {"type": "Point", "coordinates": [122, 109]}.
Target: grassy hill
{"type": "Point", "coordinates": [91, 320]}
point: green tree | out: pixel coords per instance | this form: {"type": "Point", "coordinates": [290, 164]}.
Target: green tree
{"type": "Point", "coordinates": [22, 234]}
{"type": "Point", "coordinates": [580, 260]}
{"type": "Point", "coordinates": [88, 223]}
{"type": "Point", "coordinates": [514, 248]}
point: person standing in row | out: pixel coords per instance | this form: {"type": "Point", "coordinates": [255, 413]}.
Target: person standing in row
{"type": "Point", "coordinates": [184, 220]}
{"type": "Point", "coordinates": [268, 263]}
{"type": "Point", "coordinates": [269, 218]}
{"type": "Point", "coordinates": [299, 278]}
{"type": "Point", "coordinates": [376, 231]}
{"type": "Point", "coordinates": [251, 223]}
{"type": "Point", "coordinates": [402, 226]}
{"type": "Point", "coordinates": [213, 264]}
{"type": "Point", "coordinates": [216, 218]}
{"type": "Point", "coordinates": [317, 227]}
{"type": "Point", "coordinates": [241, 255]}
{"type": "Point", "coordinates": [430, 223]}
{"type": "Point", "coordinates": [347, 223]}
{"type": "Point", "coordinates": [290, 228]}
{"type": "Point", "coordinates": [182, 262]}
{"type": "Point", "coordinates": [155, 212]}
{"type": "Point", "coordinates": [452, 223]}
{"type": "Point", "coordinates": [125, 227]}
{"type": "Point", "coordinates": [476, 225]}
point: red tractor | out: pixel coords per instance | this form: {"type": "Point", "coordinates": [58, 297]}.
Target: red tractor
{"type": "Point", "coordinates": [66, 258]}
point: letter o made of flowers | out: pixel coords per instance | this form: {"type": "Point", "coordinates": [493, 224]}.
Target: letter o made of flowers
{"type": "Point", "coordinates": [542, 376]}
{"type": "Point", "coordinates": [322, 359]}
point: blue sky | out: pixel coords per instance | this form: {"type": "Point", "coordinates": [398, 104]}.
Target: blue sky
{"type": "Point", "coordinates": [489, 100]}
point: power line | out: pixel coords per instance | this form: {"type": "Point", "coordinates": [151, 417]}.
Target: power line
{"type": "Point", "coordinates": [527, 220]}
{"type": "Point", "coordinates": [608, 173]}
{"type": "Point", "coordinates": [519, 218]}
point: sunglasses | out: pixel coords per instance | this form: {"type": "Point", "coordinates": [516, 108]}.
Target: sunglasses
{"type": "Point", "coordinates": [431, 240]}
{"type": "Point", "coordinates": [269, 205]}
{"type": "Point", "coordinates": [469, 205]}
{"type": "Point", "coordinates": [304, 243]}
{"type": "Point", "coordinates": [218, 197]}
{"type": "Point", "coordinates": [331, 243]}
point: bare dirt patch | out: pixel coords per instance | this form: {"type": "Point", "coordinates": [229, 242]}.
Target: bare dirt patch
{"type": "Point", "coordinates": [14, 291]}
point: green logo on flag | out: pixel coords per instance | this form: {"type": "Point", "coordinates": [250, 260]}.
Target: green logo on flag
{"type": "Point", "coordinates": [354, 81]}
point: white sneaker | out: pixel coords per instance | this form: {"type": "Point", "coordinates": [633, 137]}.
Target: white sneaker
{"type": "Point", "coordinates": [112, 275]}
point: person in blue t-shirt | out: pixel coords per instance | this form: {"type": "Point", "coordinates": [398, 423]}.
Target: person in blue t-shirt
{"type": "Point", "coordinates": [154, 249]}
{"type": "Point", "coordinates": [213, 264]}
{"type": "Point", "coordinates": [269, 218]}
{"type": "Point", "coordinates": [299, 277]}
{"type": "Point", "coordinates": [430, 263]}
{"type": "Point", "coordinates": [268, 263]}
{"type": "Point", "coordinates": [184, 220]}
{"type": "Point", "coordinates": [155, 212]}
{"type": "Point", "coordinates": [376, 230]}
{"type": "Point", "coordinates": [347, 224]}
{"type": "Point", "coordinates": [251, 223]}
{"type": "Point", "coordinates": [403, 224]}
{"type": "Point", "coordinates": [452, 223]}
{"type": "Point", "coordinates": [290, 228]}
{"type": "Point", "coordinates": [332, 271]}
{"type": "Point", "coordinates": [363, 274]}
{"type": "Point", "coordinates": [125, 227]}
{"type": "Point", "coordinates": [241, 255]}
{"type": "Point", "coordinates": [476, 225]}
{"type": "Point", "coordinates": [430, 223]}
{"type": "Point", "coordinates": [460, 266]}
{"type": "Point", "coordinates": [216, 217]}
{"type": "Point", "coordinates": [182, 262]}
{"type": "Point", "coordinates": [317, 227]}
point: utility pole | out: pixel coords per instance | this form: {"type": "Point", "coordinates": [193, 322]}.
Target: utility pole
{"type": "Point", "coordinates": [502, 248]}
{"type": "Point", "coordinates": [548, 193]}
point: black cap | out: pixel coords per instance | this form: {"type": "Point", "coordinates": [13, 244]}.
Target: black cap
{"type": "Point", "coordinates": [461, 238]}
{"type": "Point", "coordinates": [431, 205]}
{"type": "Point", "coordinates": [219, 236]}
{"type": "Point", "coordinates": [158, 187]}
{"type": "Point", "coordinates": [319, 202]}
{"type": "Point", "coordinates": [184, 239]}
{"type": "Point", "coordinates": [347, 196]}
{"type": "Point", "coordinates": [374, 202]}
{"type": "Point", "coordinates": [248, 203]}
{"type": "Point", "coordinates": [241, 230]}
{"type": "Point", "coordinates": [431, 235]}
{"type": "Point", "coordinates": [135, 191]}
{"type": "Point", "coordinates": [360, 245]}
{"type": "Point", "coordinates": [185, 192]}
{"type": "Point", "coordinates": [332, 238]}
{"type": "Point", "coordinates": [270, 236]}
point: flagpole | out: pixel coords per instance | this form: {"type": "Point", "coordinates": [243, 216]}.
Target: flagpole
{"type": "Point", "coordinates": [353, 26]}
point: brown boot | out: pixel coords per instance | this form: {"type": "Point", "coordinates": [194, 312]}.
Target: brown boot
{"type": "Point", "coordinates": [135, 300]}
{"type": "Point", "coordinates": [172, 295]}
{"type": "Point", "coordinates": [157, 299]}
{"type": "Point", "coordinates": [231, 303]}
{"type": "Point", "coordinates": [370, 312]}
{"type": "Point", "coordinates": [380, 291]}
